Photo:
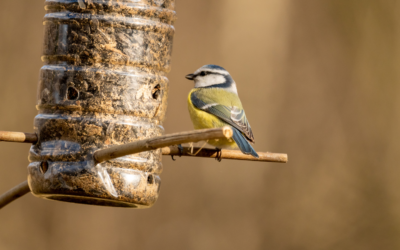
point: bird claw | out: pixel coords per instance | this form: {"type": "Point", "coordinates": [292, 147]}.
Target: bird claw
{"type": "Point", "coordinates": [219, 155]}
{"type": "Point", "coordinates": [180, 152]}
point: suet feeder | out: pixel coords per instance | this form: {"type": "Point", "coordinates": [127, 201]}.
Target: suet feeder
{"type": "Point", "coordinates": [102, 98]}
{"type": "Point", "coordinates": [103, 83]}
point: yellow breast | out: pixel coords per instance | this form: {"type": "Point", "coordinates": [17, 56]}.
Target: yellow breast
{"type": "Point", "coordinates": [203, 120]}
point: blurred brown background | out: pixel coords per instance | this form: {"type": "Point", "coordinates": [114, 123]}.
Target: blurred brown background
{"type": "Point", "coordinates": [319, 81]}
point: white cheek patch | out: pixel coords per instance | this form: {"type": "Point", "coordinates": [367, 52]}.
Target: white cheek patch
{"type": "Point", "coordinates": [208, 80]}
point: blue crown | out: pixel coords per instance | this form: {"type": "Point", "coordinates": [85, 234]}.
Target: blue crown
{"type": "Point", "coordinates": [212, 66]}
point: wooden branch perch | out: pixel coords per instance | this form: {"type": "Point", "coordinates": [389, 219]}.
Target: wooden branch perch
{"type": "Point", "coordinates": [18, 137]}
{"type": "Point", "coordinates": [14, 194]}
{"type": "Point", "coordinates": [225, 154]}
{"type": "Point", "coordinates": [164, 142]}
{"type": "Point", "coordinates": [160, 142]}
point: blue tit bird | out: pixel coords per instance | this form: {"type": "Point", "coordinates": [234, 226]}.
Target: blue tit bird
{"type": "Point", "coordinates": [214, 103]}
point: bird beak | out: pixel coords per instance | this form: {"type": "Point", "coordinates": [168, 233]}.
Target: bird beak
{"type": "Point", "coordinates": [190, 76]}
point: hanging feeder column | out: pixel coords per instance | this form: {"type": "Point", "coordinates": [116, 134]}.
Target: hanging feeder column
{"type": "Point", "coordinates": [103, 84]}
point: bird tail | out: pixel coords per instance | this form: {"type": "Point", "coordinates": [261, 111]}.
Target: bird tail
{"type": "Point", "coordinates": [243, 144]}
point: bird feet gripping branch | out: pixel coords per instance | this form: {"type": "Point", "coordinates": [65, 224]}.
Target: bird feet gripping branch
{"type": "Point", "coordinates": [180, 152]}
{"type": "Point", "coordinates": [219, 155]}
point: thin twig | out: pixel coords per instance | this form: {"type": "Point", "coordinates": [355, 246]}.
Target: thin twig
{"type": "Point", "coordinates": [226, 154]}
{"type": "Point", "coordinates": [160, 142]}
{"type": "Point", "coordinates": [18, 137]}
{"type": "Point", "coordinates": [14, 194]}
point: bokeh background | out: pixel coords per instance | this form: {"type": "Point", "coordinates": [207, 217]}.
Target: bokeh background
{"type": "Point", "coordinates": [319, 80]}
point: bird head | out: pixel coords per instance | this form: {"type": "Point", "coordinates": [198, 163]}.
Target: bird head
{"type": "Point", "coordinates": [213, 76]}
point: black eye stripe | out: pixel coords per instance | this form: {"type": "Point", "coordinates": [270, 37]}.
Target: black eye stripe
{"type": "Point", "coordinates": [204, 73]}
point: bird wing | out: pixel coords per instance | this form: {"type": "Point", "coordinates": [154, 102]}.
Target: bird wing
{"type": "Point", "coordinates": [233, 115]}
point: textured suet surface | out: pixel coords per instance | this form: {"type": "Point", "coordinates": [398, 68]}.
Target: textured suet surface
{"type": "Point", "coordinates": [104, 83]}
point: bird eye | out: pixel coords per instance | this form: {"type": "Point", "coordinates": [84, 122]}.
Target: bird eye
{"type": "Point", "coordinates": [203, 73]}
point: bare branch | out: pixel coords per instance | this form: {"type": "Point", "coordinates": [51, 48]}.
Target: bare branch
{"type": "Point", "coordinates": [18, 137]}
{"type": "Point", "coordinates": [226, 154]}
{"type": "Point", "coordinates": [161, 141]}
{"type": "Point", "coordinates": [164, 141]}
{"type": "Point", "coordinates": [14, 194]}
